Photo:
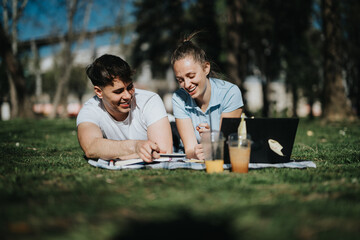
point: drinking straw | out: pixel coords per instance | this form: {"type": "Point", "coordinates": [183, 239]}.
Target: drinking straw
{"type": "Point", "coordinates": [242, 129]}
{"type": "Point", "coordinates": [211, 135]}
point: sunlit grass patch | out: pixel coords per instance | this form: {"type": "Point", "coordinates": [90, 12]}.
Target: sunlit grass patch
{"type": "Point", "coordinates": [49, 191]}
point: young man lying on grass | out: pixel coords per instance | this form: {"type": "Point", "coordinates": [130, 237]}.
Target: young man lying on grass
{"type": "Point", "coordinates": [121, 121]}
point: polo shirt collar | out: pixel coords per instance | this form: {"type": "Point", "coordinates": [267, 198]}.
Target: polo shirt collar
{"type": "Point", "coordinates": [213, 98]}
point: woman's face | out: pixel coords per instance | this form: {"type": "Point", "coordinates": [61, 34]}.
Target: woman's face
{"type": "Point", "coordinates": [191, 75]}
{"type": "Point", "coordinates": [117, 98]}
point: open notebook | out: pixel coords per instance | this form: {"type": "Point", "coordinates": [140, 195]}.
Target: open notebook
{"type": "Point", "coordinates": [163, 158]}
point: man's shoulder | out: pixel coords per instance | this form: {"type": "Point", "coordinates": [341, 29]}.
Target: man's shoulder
{"type": "Point", "coordinates": [143, 96]}
{"type": "Point", "coordinates": [93, 102]}
{"type": "Point", "coordinates": [91, 111]}
{"type": "Point", "coordinates": [93, 99]}
{"type": "Point", "coordinates": [144, 93]}
{"type": "Point", "coordinates": [93, 106]}
{"type": "Point", "coordinates": [148, 107]}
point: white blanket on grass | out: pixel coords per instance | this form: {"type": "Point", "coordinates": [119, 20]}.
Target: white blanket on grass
{"type": "Point", "coordinates": [176, 163]}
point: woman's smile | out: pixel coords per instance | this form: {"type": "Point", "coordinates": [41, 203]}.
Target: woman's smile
{"type": "Point", "coordinates": [191, 91]}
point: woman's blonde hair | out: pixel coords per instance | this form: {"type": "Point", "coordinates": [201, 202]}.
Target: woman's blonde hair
{"type": "Point", "coordinates": [186, 48]}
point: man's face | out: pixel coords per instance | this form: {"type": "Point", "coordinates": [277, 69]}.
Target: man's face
{"type": "Point", "coordinates": [117, 98]}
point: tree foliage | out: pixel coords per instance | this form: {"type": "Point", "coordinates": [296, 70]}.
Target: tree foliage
{"type": "Point", "coordinates": [271, 39]}
{"type": "Point", "coordinates": [202, 16]}
{"type": "Point", "coordinates": [350, 23]}
{"type": "Point", "coordinates": [266, 38]}
{"type": "Point", "coordinates": [159, 26]}
{"type": "Point", "coordinates": [162, 24]}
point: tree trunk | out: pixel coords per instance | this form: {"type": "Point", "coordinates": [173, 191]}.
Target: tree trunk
{"type": "Point", "coordinates": [62, 89]}
{"type": "Point", "coordinates": [335, 106]}
{"type": "Point", "coordinates": [14, 103]}
{"type": "Point", "coordinates": [62, 86]}
{"type": "Point", "coordinates": [19, 98]}
{"type": "Point", "coordinates": [20, 106]}
{"type": "Point", "coordinates": [66, 57]}
{"type": "Point", "coordinates": [357, 92]}
{"type": "Point", "coordinates": [36, 70]}
{"type": "Point", "coordinates": [265, 90]}
{"type": "Point", "coordinates": [235, 20]}
{"type": "Point", "coordinates": [354, 85]}
{"type": "Point", "coordinates": [311, 105]}
{"type": "Point", "coordinates": [295, 99]}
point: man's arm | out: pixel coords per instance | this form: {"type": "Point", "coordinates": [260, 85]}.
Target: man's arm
{"type": "Point", "coordinates": [95, 146]}
{"type": "Point", "coordinates": [160, 133]}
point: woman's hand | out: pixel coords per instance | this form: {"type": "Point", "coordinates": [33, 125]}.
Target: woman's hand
{"type": "Point", "coordinates": [199, 152]}
{"type": "Point", "coordinates": [203, 127]}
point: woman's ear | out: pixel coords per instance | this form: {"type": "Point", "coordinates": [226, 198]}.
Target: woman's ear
{"type": "Point", "coordinates": [98, 91]}
{"type": "Point", "coordinates": [207, 68]}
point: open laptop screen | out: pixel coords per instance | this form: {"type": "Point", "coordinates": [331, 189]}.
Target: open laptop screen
{"type": "Point", "coordinates": [264, 133]}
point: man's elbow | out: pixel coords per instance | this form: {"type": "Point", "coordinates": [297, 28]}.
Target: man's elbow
{"type": "Point", "coordinates": [90, 155]}
{"type": "Point", "coordinates": [89, 152]}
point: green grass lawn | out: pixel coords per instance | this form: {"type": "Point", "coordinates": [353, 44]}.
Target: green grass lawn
{"type": "Point", "coordinates": [48, 191]}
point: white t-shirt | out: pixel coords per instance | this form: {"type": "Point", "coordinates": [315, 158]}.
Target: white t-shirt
{"type": "Point", "coordinates": [146, 109]}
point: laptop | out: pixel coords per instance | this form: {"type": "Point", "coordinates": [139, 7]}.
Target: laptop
{"type": "Point", "coordinates": [268, 135]}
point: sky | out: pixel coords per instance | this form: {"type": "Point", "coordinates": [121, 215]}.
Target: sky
{"type": "Point", "coordinates": [44, 18]}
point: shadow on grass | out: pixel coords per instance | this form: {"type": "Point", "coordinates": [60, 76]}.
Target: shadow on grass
{"type": "Point", "coordinates": [184, 226]}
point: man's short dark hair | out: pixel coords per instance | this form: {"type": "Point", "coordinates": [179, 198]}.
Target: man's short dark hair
{"type": "Point", "coordinates": [108, 67]}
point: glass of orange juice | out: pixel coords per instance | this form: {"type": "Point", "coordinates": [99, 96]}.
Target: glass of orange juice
{"type": "Point", "coordinates": [239, 151]}
{"type": "Point", "coordinates": [213, 147]}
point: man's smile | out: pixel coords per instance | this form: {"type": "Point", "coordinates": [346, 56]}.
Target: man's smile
{"type": "Point", "coordinates": [125, 104]}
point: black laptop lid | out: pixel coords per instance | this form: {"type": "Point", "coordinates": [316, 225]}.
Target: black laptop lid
{"type": "Point", "coordinates": [261, 130]}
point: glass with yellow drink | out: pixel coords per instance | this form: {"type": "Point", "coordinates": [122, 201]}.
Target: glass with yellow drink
{"type": "Point", "coordinates": [239, 151]}
{"type": "Point", "coordinates": [213, 147]}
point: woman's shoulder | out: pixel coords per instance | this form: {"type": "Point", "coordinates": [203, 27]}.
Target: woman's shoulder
{"type": "Point", "coordinates": [222, 84]}
{"type": "Point", "coordinates": [182, 99]}
{"type": "Point", "coordinates": [180, 94]}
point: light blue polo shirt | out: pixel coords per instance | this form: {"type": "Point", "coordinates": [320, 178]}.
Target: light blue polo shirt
{"type": "Point", "coordinates": [225, 97]}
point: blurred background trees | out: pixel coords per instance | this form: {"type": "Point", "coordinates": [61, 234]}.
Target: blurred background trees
{"type": "Point", "coordinates": [308, 46]}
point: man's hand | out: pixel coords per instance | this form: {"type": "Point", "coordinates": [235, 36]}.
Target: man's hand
{"type": "Point", "coordinates": [147, 150]}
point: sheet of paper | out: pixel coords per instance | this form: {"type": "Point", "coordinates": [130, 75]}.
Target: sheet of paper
{"type": "Point", "coordinates": [128, 162]}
